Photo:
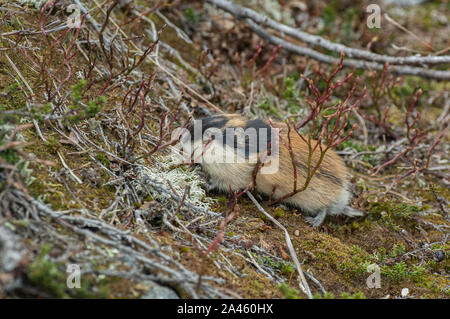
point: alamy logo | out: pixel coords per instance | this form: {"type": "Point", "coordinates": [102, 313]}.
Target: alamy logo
{"type": "Point", "coordinates": [374, 19]}
{"type": "Point", "coordinates": [374, 280]}
{"type": "Point", "coordinates": [74, 19]}
{"type": "Point", "coordinates": [73, 279]}
{"type": "Point", "coordinates": [229, 146]}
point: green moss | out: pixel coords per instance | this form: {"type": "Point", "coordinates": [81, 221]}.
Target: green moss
{"type": "Point", "coordinates": [351, 264]}
{"type": "Point", "coordinates": [329, 16]}
{"type": "Point", "coordinates": [264, 217]}
{"type": "Point", "coordinates": [222, 199]}
{"type": "Point", "coordinates": [279, 212]}
{"type": "Point", "coordinates": [20, 222]}
{"type": "Point", "coordinates": [9, 155]}
{"type": "Point", "coordinates": [344, 295]}
{"type": "Point", "coordinates": [46, 274]}
{"type": "Point", "coordinates": [401, 271]}
{"type": "Point", "coordinates": [81, 111]}
{"type": "Point", "coordinates": [381, 254]}
{"type": "Point", "coordinates": [191, 15]}
{"type": "Point", "coordinates": [14, 98]}
{"type": "Point", "coordinates": [350, 227]}
{"type": "Point", "coordinates": [39, 112]}
{"type": "Point", "coordinates": [290, 91]}
{"type": "Point", "coordinates": [347, 24]}
{"type": "Point", "coordinates": [95, 106]}
{"type": "Point", "coordinates": [77, 91]}
{"type": "Point", "coordinates": [397, 250]}
{"type": "Point", "coordinates": [391, 212]}
{"type": "Point", "coordinates": [288, 292]}
{"type": "Point", "coordinates": [51, 278]}
{"type": "Point", "coordinates": [93, 287]}
{"type": "Point", "coordinates": [269, 107]}
{"type": "Point", "coordinates": [101, 157]}
{"type": "Point", "coordinates": [185, 249]}
{"type": "Point", "coordinates": [52, 145]}
{"type": "Point", "coordinates": [356, 295]}
{"type": "Point", "coordinates": [284, 267]}
{"type": "Point", "coordinates": [327, 295]}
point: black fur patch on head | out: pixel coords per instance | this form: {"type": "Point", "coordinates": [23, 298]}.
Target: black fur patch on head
{"type": "Point", "coordinates": [217, 121]}
{"type": "Point", "coordinates": [260, 126]}
{"type": "Point", "coordinates": [263, 137]}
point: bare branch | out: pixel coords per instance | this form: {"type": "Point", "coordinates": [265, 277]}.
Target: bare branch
{"type": "Point", "coordinates": [244, 13]}
{"type": "Point", "coordinates": [352, 63]}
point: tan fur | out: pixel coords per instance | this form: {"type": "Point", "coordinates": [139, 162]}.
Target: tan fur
{"type": "Point", "coordinates": [321, 191]}
{"type": "Point", "coordinates": [235, 120]}
{"type": "Point", "coordinates": [327, 192]}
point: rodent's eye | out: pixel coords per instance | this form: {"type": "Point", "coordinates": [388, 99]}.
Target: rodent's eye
{"type": "Point", "coordinates": [208, 137]}
{"type": "Point", "coordinates": [211, 133]}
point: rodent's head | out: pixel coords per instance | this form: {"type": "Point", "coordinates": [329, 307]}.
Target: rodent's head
{"type": "Point", "coordinates": [229, 138]}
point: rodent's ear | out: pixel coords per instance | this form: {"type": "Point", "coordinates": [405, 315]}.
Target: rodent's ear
{"type": "Point", "coordinates": [212, 133]}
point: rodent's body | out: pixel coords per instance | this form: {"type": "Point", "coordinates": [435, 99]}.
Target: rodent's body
{"type": "Point", "coordinates": [326, 194]}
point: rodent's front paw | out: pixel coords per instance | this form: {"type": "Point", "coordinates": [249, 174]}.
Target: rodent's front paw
{"type": "Point", "coordinates": [318, 219]}
{"type": "Point", "coordinates": [211, 185]}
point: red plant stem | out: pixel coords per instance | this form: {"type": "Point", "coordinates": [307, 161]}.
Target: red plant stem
{"type": "Point", "coordinates": [271, 59]}
{"type": "Point", "coordinates": [252, 61]}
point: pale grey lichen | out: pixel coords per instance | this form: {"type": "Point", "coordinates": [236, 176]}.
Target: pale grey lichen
{"type": "Point", "coordinates": [6, 130]}
{"type": "Point", "coordinates": [164, 171]}
{"type": "Point", "coordinates": [273, 8]}
{"type": "Point", "coordinates": [10, 252]}
{"type": "Point", "coordinates": [36, 3]}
